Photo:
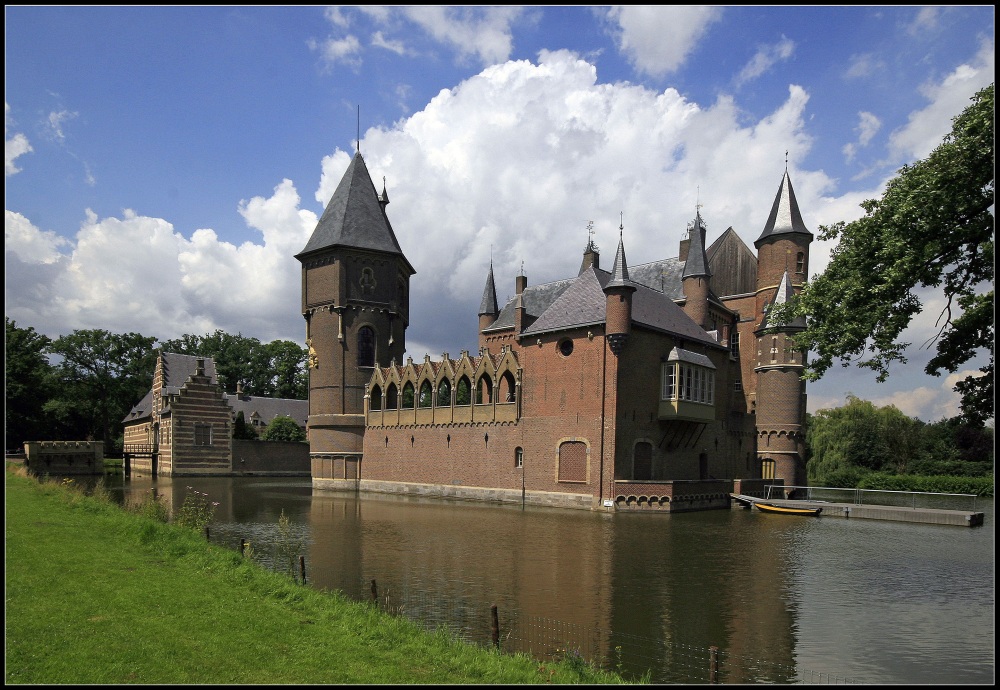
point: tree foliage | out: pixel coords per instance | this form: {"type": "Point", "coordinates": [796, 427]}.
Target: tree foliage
{"type": "Point", "coordinates": [273, 370]}
{"type": "Point", "coordinates": [283, 428]}
{"type": "Point", "coordinates": [98, 378]}
{"type": "Point", "coordinates": [849, 442]}
{"type": "Point", "coordinates": [26, 384]}
{"type": "Point", "coordinates": [932, 228]}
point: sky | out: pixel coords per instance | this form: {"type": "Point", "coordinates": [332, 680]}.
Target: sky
{"type": "Point", "coordinates": [163, 165]}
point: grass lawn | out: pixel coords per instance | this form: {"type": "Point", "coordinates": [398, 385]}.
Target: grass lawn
{"type": "Point", "coordinates": [97, 594]}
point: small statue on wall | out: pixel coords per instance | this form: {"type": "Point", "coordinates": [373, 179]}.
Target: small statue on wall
{"type": "Point", "coordinates": [313, 357]}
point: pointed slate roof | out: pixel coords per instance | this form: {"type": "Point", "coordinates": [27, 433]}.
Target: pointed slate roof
{"type": "Point", "coordinates": [785, 217]}
{"type": "Point", "coordinates": [583, 303]}
{"type": "Point", "coordinates": [489, 303]}
{"type": "Point", "coordinates": [619, 274]}
{"type": "Point", "coordinates": [783, 295]}
{"type": "Point", "coordinates": [697, 263]}
{"type": "Point", "coordinates": [355, 217]}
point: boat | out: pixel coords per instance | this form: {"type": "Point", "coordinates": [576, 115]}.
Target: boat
{"type": "Point", "coordinates": [786, 510]}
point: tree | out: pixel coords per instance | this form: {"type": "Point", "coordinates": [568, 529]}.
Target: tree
{"type": "Point", "coordinates": [99, 377]}
{"type": "Point", "coordinates": [26, 384]}
{"type": "Point", "coordinates": [242, 430]}
{"type": "Point", "coordinates": [288, 364]}
{"type": "Point", "coordinates": [283, 428]}
{"type": "Point", "coordinates": [933, 228]}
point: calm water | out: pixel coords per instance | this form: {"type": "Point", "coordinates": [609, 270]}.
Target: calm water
{"type": "Point", "coordinates": [785, 599]}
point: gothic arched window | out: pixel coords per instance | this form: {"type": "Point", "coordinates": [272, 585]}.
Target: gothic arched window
{"type": "Point", "coordinates": [366, 347]}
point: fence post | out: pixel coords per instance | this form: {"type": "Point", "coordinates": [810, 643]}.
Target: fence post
{"type": "Point", "coordinates": [208, 535]}
{"type": "Point", "coordinates": [302, 568]}
{"type": "Point", "coordinates": [713, 664]}
{"type": "Point", "coordinates": [374, 592]}
{"type": "Point", "coordinates": [495, 626]}
{"type": "Point", "coordinates": [243, 546]}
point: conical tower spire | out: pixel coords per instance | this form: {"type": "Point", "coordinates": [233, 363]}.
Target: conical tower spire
{"type": "Point", "coordinates": [696, 264]}
{"type": "Point", "coordinates": [782, 295]}
{"type": "Point", "coordinates": [785, 218]}
{"type": "Point", "coordinates": [618, 300]}
{"type": "Point", "coordinates": [488, 306]}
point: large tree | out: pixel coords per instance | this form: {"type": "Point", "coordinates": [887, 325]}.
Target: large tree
{"type": "Point", "coordinates": [26, 384]}
{"type": "Point", "coordinates": [932, 228]}
{"type": "Point", "coordinates": [98, 378]}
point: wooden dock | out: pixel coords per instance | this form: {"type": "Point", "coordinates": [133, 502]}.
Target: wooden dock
{"type": "Point", "coordinates": [927, 516]}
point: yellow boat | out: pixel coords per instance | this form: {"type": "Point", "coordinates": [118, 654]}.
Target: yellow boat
{"type": "Point", "coordinates": [786, 510]}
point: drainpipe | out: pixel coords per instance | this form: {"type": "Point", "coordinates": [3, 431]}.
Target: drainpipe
{"type": "Point", "coordinates": [604, 402]}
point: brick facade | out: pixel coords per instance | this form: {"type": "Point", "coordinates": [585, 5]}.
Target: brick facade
{"type": "Point", "coordinates": [629, 389]}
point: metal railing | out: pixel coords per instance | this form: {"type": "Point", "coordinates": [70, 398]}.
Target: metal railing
{"type": "Point", "coordinates": [881, 497]}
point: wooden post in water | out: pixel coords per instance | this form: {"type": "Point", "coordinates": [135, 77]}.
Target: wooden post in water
{"type": "Point", "coordinates": [243, 546]}
{"type": "Point", "coordinates": [128, 465]}
{"type": "Point", "coordinates": [208, 536]}
{"type": "Point", "coordinates": [495, 626]}
{"type": "Point", "coordinates": [374, 592]}
{"type": "Point", "coordinates": [713, 664]}
{"type": "Point", "coordinates": [302, 568]}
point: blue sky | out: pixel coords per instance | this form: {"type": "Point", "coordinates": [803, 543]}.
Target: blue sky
{"type": "Point", "coordinates": [165, 164]}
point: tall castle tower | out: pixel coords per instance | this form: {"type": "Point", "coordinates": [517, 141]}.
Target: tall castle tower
{"type": "Point", "coordinates": [782, 267]}
{"type": "Point", "coordinates": [355, 300]}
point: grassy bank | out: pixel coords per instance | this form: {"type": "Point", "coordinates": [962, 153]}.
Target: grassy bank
{"type": "Point", "coordinates": [95, 594]}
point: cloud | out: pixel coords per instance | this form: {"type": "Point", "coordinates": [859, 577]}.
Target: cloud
{"type": "Point", "coordinates": [508, 165]}
{"type": "Point", "coordinates": [53, 125]}
{"type": "Point", "coordinates": [865, 65]}
{"type": "Point", "coordinates": [344, 50]}
{"type": "Point", "coordinates": [926, 128]}
{"type": "Point", "coordinates": [867, 127]}
{"type": "Point", "coordinates": [14, 146]}
{"type": "Point", "coordinates": [926, 20]}
{"type": "Point", "coordinates": [480, 32]}
{"type": "Point", "coordinates": [657, 40]}
{"type": "Point", "coordinates": [379, 41]}
{"type": "Point", "coordinates": [135, 273]}
{"type": "Point", "coordinates": [765, 58]}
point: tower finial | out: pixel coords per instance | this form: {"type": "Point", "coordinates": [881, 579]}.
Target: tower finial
{"type": "Point", "coordinates": [621, 223]}
{"type": "Point", "coordinates": [359, 128]}
{"type": "Point", "coordinates": [786, 160]}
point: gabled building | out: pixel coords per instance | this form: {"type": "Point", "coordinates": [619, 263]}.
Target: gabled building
{"type": "Point", "coordinates": [184, 424]}
{"type": "Point", "coordinates": [653, 386]}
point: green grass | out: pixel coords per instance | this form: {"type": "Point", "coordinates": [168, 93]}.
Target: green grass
{"type": "Point", "coordinates": [97, 594]}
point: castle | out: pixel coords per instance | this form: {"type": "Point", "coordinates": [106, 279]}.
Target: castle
{"type": "Point", "coordinates": [660, 386]}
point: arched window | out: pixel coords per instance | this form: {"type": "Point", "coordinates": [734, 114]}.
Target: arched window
{"type": "Point", "coordinates": [407, 403]}
{"type": "Point", "coordinates": [573, 461]}
{"type": "Point", "coordinates": [375, 399]}
{"type": "Point", "coordinates": [507, 388]}
{"type": "Point", "coordinates": [444, 393]}
{"type": "Point", "coordinates": [366, 347]}
{"type": "Point", "coordinates": [425, 397]}
{"type": "Point", "coordinates": [484, 390]}
{"type": "Point", "coordinates": [642, 461]}
{"type": "Point", "coordinates": [518, 457]}
{"type": "Point", "coordinates": [463, 392]}
{"type": "Point", "coordinates": [391, 397]}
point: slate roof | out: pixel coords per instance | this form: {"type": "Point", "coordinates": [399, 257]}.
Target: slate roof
{"type": "Point", "coordinates": [177, 368]}
{"type": "Point", "coordinates": [697, 262]}
{"type": "Point", "coordinates": [355, 217]}
{"type": "Point", "coordinates": [489, 303]}
{"type": "Point", "coordinates": [782, 295]}
{"type": "Point", "coordinates": [785, 217]}
{"type": "Point", "coordinates": [583, 303]}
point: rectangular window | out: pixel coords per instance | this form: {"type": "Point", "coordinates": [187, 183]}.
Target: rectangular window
{"type": "Point", "coordinates": [737, 385]}
{"type": "Point", "coordinates": [519, 457]}
{"type": "Point", "coordinates": [734, 342]}
{"type": "Point", "coordinates": [202, 434]}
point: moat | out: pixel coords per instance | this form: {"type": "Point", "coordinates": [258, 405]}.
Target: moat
{"type": "Point", "coordinates": [794, 600]}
